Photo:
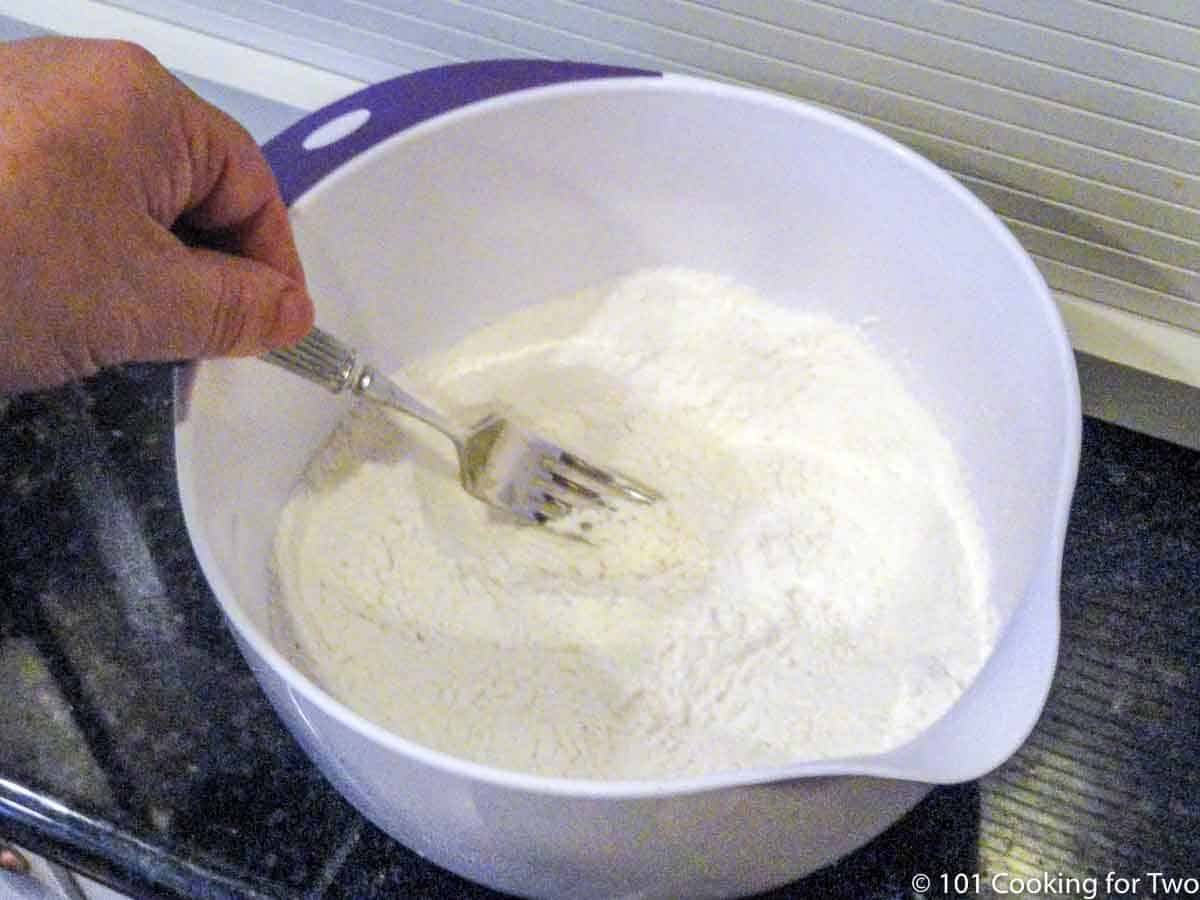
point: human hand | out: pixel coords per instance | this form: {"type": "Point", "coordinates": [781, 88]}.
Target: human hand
{"type": "Point", "coordinates": [105, 160]}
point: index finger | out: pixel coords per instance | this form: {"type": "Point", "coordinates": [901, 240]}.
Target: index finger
{"type": "Point", "coordinates": [233, 193]}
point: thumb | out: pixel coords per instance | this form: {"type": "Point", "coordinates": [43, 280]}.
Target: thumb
{"type": "Point", "coordinates": [235, 306]}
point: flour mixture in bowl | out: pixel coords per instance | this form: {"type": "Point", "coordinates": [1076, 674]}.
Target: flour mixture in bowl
{"type": "Point", "coordinates": [814, 585]}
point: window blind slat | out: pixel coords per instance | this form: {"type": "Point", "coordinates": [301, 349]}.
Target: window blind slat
{"type": "Point", "coordinates": [1181, 13]}
{"type": "Point", "coordinates": [1102, 22]}
{"type": "Point", "coordinates": [981, 29]}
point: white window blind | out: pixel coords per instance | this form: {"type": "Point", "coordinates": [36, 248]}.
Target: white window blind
{"type": "Point", "coordinates": [1077, 121]}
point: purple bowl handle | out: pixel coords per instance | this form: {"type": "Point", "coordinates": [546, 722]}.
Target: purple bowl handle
{"type": "Point", "coordinates": [402, 102]}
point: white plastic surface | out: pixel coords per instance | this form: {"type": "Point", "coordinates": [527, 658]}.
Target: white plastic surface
{"type": "Point", "coordinates": [533, 196]}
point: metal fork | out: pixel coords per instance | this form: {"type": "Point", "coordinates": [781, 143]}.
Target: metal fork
{"type": "Point", "coordinates": [499, 462]}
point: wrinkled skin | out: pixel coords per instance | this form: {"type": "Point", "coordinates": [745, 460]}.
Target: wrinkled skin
{"type": "Point", "coordinates": [105, 161]}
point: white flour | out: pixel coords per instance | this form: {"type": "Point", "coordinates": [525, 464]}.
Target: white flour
{"type": "Point", "coordinates": [814, 584]}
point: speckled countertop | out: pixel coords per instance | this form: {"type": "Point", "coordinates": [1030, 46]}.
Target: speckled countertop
{"type": "Point", "coordinates": [136, 747]}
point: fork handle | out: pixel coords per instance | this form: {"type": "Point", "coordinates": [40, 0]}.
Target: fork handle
{"type": "Point", "coordinates": [322, 359]}
{"type": "Point", "coordinates": [336, 366]}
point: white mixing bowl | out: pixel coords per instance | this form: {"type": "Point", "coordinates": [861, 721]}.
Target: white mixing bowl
{"type": "Point", "coordinates": [429, 205]}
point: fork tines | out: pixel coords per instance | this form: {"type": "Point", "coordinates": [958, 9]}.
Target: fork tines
{"type": "Point", "coordinates": [622, 484]}
{"type": "Point", "coordinates": [581, 479]}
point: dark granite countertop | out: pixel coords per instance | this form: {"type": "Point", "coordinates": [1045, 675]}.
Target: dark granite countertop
{"type": "Point", "coordinates": [136, 747]}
